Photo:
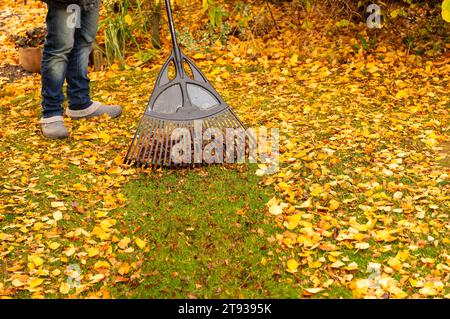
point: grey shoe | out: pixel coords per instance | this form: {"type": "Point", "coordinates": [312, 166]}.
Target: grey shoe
{"type": "Point", "coordinates": [96, 109]}
{"type": "Point", "coordinates": [53, 127]}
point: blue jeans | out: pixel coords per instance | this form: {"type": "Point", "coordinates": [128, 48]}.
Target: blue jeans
{"type": "Point", "coordinates": [66, 57]}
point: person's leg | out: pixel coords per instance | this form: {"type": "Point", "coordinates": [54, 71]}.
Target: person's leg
{"type": "Point", "coordinates": [80, 103]}
{"type": "Point", "coordinates": [77, 73]}
{"type": "Point", "coordinates": [58, 45]}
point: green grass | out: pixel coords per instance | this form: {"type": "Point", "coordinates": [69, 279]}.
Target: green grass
{"type": "Point", "coordinates": [200, 245]}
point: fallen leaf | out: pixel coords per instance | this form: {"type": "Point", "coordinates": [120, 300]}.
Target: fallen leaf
{"type": "Point", "coordinates": [140, 243]}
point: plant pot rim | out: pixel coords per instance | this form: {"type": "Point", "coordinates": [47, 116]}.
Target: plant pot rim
{"type": "Point", "coordinates": [30, 48]}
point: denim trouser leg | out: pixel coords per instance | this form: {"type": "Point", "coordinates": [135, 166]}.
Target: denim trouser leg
{"type": "Point", "coordinates": [77, 72]}
{"type": "Point", "coordinates": [65, 56]}
{"type": "Point", "coordinates": [58, 44]}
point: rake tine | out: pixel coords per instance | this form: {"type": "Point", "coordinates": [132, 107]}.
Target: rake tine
{"type": "Point", "coordinates": [135, 142]}
{"type": "Point", "coordinates": [162, 143]}
{"type": "Point", "coordinates": [195, 146]}
{"type": "Point", "coordinates": [228, 124]}
{"type": "Point", "coordinates": [157, 139]}
{"type": "Point", "coordinates": [151, 144]}
{"type": "Point", "coordinates": [223, 128]}
{"type": "Point", "coordinates": [241, 140]}
{"type": "Point", "coordinates": [172, 142]}
{"type": "Point", "coordinates": [146, 130]}
{"type": "Point", "coordinates": [237, 124]}
{"type": "Point", "coordinates": [185, 142]}
{"type": "Point", "coordinates": [169, 130]}
{"type": "Point", "coordinates": [146, 133]}
{"type": "Point", "coordinates": [128, 157]}
{"type": "Point", "coordinates": [250, 137]}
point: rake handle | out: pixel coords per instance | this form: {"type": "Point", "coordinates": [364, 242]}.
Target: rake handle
{"type": "Point", "coordinates": [176, 49]}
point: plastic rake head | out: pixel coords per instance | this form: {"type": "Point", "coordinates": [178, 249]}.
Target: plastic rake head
{"type": "Point", "coordinates": [181, 99]}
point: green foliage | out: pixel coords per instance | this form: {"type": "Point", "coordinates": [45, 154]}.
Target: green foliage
{"type": "Point", "coordinates": [33, 38]}
{"type": "Point", "coordinates": [366, 44]}
{"type": "Point", "coordinates": [145, 56]}
{"type": "Point", "coordinates": [124, 20]}
{"type": "Point", "coordinates": [216, 12]}
{"type": "Point", "coordinates": [118, 32]}
{"type": "Point", "coordinates": [343, 23]}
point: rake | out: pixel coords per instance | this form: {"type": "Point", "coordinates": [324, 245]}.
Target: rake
{"type": "Point", "coordinates": [182, 108]}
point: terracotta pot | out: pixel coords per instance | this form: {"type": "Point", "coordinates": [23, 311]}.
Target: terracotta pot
{"type": "Point", "coordinates": [30, 59]}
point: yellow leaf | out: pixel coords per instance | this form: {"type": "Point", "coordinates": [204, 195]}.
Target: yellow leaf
{"type": "Point", "coordinates": [104, 137]}
{"type": "Point", "coordinates": [352, 266]}
{"type": "Point", "coordinates": [36, 260]}
{"type": "Point", "coordinates": [383, 235]}
{"type": "Point", "coordinates": [263, 261]}
{"type": "Point", "coordinates": [205, 5]}
{"type": "Point", "coordinates": [394, 263]}
{"type": "Point", "coordinates": [337, 264]}
{"type": "Point", "coordinates": [428, 290]}
{"type": "Point", "coordinates": [293, 60]}
{"type": "Point", "coordinates": [17, 283]}
{"type": "Point", "coordinates": [306, 204]}
{"type": "Point", "coordinates": [80, 187]}
{"type": "Point", "coordinates": [101, 264]}
{"type": "Point", "coordinates": [54, 245]}
{"type": "Point", "coordinates": [57, 215]}
{"type": "Point", "coordinates": [140, 243]}
{"type": "Point", "coordinates": [316, 190]}
{"type": "Point", "coordinates": [118, 160]}
{"type": "Point", "coordinates": [402, 255]}
{"type": "Point", "coordinates": [96, 278]}
{"type": "Point", "coordinates": [415, 283]}
{"type": "Point", "coordinates": [93, 251]}
{"type": "Point", "coordinates": [57, 204]}
{"type": "Point", "coordinates": [372, 68]}
{"type": "Point", "coordinates": [198, 56]}
{"type": "Point", "coordinates": [100, 233]}
{"type": "Point", "coordinates": [292, 265]}
{"type": "Point", "coordinates": [56, 273]}
{"type": "Point", "coordinates": [128, 19]}
{"type": "Point", "coordinates": [124, 242]}
{"type": "Point", "coordinates": [446, 10]}
{"type": "Point", "coordinates": [314, 290]}
{"type": "Point", "coordinates": [427, 260]}
{"type": "Point", "coordinates": [225, 75]}
{"type": "Point", "coordinates": [124, 269]}
{"type": "Point", "coordinates": [274, 208]}
{"type": "Point", "coordinates": [362, 284]}
{"type": "Point", "coordinates": [35, 282]}
{"type": "Point", "coordinates": [397, 12]}
{"type": "Point", "coordinates": [401, 94]}
{"type": "Point", "coordinates": [334, 204]}
{"type": "Point", "coordinates": [362, 245]}
{"type": "Point", "coordinates": [107, 223]}
{"type": "Point", "coordinates": [314, 264]}
{"type": "Point", "coordinates": [64, 288]}
{"type": "Point", "coordinates": [70, 251]}
{"type": "Point", "coordinates": [292, 221]}
{"type": "Point", "coordinates": [101, 214]}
